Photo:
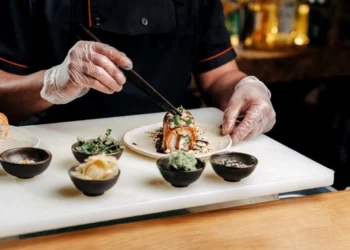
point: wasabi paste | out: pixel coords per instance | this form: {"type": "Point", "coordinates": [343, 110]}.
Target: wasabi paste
{"type": "Point", "coordinates": [182, 161]}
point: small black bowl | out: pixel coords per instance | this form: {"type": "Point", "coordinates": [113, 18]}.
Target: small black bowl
{"type": "Point", "coordinates": [10, 161]}
{"type": "Point", "coordinates": [82, 156]}
{"type": "Point", "coordinates": [180, 178]}
{"type": "Point", "coordinates": [233, 174]}
{"type": "Point", "coordinates": [93, 187]}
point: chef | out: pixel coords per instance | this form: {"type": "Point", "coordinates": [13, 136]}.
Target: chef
{"type": "Point", "coordinates": [50, 73]}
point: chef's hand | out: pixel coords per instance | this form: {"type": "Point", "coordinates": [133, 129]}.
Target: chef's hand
{"type": "Point", "coordinates": [251, 98]}
{"type": "Point", "coordinates": [87, 65]}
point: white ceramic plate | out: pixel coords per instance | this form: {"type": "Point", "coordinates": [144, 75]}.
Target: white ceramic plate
{"type": "Point", "coordinates": [18, 137]}
{"type": "Point", "coordinates": [139, 140]}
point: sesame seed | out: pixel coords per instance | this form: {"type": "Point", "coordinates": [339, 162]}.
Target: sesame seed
{"type": "Point", "coordinates": [232, 163]}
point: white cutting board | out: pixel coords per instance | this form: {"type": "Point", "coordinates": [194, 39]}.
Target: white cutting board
{"type": "Point", "coordinates": [50, 201]}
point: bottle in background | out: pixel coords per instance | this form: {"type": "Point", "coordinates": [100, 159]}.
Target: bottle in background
{"type": "Point", "coordinates": [286, 23]}
{"type": "Point", "coordinates": [232, 17]}
{"type": "Point", "coordinates": [293, 24]}
{"type": "Point", "coordinates": [319, 22]}
{"type": "Point", "coordinates": [264, 24]}
{"type": "Point", "coordinates": [277, 24]}
{"type": "Point", "coordinates": [301, 37]}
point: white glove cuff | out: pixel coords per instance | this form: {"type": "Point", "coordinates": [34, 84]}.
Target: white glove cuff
{"type": "Point", "coordinates": [252, 79]}
{"type": "Point", "coordinates": [50, 91]}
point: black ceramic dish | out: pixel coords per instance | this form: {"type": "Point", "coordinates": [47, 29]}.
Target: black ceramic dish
{"type": "Point", "coordinates": [10, 161]}
{"type": "Point", "coordinates": [233, 174]}
{"type": "Point", "coordinates": [93, 187]}
{"type": "Point", "coordinates": [180, 178]}
{"type": "Point", "coordinates": [80, 157]}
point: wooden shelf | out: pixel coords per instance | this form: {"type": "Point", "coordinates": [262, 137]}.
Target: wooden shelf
{"type": "Point", "coordinates": [309, 63]}
{"type": "Point", "coordinates": [257, 54]}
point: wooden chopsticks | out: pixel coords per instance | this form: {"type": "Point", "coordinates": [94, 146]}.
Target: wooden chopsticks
{"type": "Point", "coordinates": [139, 82]}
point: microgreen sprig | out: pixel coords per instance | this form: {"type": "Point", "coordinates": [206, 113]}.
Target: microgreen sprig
{"type": "Point", "coordinates": [102, 144]}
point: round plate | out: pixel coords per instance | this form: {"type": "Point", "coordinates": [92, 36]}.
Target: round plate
{"type": "Point", "coordinates": [18, 137]}
{"type": "Point", "coordinates": [140, 141]}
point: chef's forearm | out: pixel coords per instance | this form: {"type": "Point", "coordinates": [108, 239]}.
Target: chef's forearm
{"type": "Point", "coordinates": [217, 85]}
{"type": "Point", "coordinates": [222, 89]}
{"type": "Point", "coordinates": [20, 95]}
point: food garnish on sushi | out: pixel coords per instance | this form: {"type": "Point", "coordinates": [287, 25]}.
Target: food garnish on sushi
{"type": "Point", "coordinates": [179, 132]}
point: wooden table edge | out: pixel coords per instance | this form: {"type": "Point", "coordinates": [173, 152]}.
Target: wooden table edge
{"type": "Point", "coordinates": [179, 227]}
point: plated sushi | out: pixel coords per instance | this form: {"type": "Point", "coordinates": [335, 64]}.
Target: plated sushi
{"type": "Point", "coordinates": [179, 132]}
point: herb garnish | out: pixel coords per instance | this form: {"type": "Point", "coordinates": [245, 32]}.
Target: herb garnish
{"type": "Point", "coordinates": [188, 122]}
{"type": "Point", "coordinates": [177, 120]}
{"type": "Point", "coordinates": [102, 144]}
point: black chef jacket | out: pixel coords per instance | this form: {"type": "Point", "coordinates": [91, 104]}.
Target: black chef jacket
{"type": "Point", "coordinates": [167, 40]}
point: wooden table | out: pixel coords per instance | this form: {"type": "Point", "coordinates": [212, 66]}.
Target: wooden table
{"type": "Point", "coordinates": [312, 222]}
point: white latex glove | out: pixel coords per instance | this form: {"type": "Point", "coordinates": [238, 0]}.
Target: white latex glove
{"type": "Point", "coordinates": [87, 65]}
{"type": "Point", "coordinates": [252, 99]}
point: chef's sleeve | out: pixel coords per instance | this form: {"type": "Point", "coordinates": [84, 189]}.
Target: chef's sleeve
{"type": "Point", "coordinates": [212, 43]}
{"type": "Point", "coordinates": [16, 36]}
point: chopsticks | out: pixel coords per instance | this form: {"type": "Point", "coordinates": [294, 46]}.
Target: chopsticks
{"type": "Point", "coordinates": [139, 82]}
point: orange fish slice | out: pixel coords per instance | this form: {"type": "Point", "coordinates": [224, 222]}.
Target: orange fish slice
{"type": "Point", "coordinates": [4, 126]}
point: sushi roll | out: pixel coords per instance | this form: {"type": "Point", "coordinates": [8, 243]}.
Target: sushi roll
{"type": "Point", "coordinates": [179, 132]}
{"type": "Point", "coordinates": [4, 126]}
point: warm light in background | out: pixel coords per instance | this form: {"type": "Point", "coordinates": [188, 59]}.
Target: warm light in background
{"type": "Point", "coordinates": [273, 24]}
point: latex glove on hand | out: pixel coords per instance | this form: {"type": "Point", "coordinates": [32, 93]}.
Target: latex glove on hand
{"type": "Point", "coordinates": [87, 65]}
{"type": "Point", "coordinates": [251, 98]}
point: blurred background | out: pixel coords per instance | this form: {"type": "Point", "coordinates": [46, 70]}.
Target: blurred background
{"type": "Point", "coordinates": [301, 50]}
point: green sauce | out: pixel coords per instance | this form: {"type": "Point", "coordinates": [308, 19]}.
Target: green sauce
{"type": "Point", "coordinates": [182, 161]}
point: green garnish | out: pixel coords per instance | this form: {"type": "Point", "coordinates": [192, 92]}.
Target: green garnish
{"type": "Point", "coordinates": [182, 161]}
{"type": "Point", "coordinates": [177, 120]}
{"type": "Point", "coordinates": [81, 139]}
{"type": "Point", "coordinates": [180, 109]}
{"type": "Point", "coordinates": [102, 144]}
{"type": "Point", "coordinates": [188, 122]}
{"type": "Point", "coordinates": [108, 132]}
